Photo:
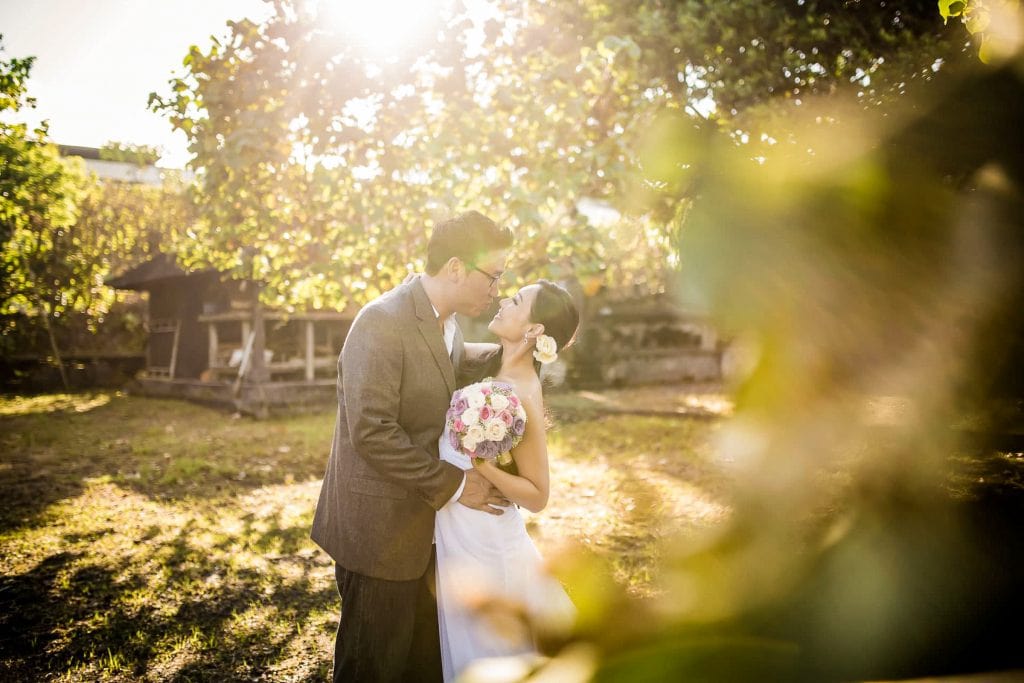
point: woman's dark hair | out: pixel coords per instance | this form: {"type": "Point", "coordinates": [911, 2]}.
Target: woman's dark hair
{"type": "Point", "coordinates": [554, 309]}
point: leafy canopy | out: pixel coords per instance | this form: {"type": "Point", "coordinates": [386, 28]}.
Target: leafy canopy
{"type": "Point", "coordinates": [332, 160]}
{"type": "Point", "coordinates": [63, 231]}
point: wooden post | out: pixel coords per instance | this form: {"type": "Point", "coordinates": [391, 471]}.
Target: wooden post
{"type": "Point", "coordinates": [310, 348]}
{"type": "Point", "coordinates": [149, 343]}
{"type": "Point", "coordinates": [214, 343]}
{"type": "Point", "coordinates": [708, 338]}
{"type": "Point", "coordinates": [174, 348]}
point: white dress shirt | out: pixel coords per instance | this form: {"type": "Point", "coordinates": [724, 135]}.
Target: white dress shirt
{"type": "Point", "coordinates": [448, 332]}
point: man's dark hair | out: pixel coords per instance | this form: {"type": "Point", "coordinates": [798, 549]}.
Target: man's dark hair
{"type": "Point", "coordinates": [467, 236]}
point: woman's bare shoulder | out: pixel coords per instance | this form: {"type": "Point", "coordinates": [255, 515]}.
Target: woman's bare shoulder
{"type": "Point", "coordinates": [529, 391]}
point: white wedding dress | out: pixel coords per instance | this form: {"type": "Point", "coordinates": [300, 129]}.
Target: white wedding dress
{"type": "Point", "coordinates": [489, 561]}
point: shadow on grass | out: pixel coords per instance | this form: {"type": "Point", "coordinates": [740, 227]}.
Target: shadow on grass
{"type": "Point", "coordinates": [160, 539]}
{"type": "Point", "coordinates": [179, 611]}
{"type": "Point", "coordinates": [166, 450]}
{"type": "Point", "coordinates": [27, 604]}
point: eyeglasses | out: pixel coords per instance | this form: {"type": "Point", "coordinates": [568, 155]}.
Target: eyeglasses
{"type": "Point", "coordinates": [493, 278]}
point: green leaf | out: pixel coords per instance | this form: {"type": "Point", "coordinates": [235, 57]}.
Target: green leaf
{"type": "Point", "coordinates": [978, 21]}
{"type": "Point", "coordinates": [951, 8]}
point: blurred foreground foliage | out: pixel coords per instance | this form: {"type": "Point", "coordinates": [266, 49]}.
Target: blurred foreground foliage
{"type": "Point", "coordinates": [875, 259]}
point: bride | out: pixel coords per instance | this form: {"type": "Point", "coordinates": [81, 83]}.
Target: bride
{"type": "Point", "coordinates": [491, 586]}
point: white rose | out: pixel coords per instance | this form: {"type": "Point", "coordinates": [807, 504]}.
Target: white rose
{"type": "Point", "coordinates": [475, 399]}
{"type": "Point", "coordinates": [498, 401]}
{"type": "Point", "coordinates": [475, 434]}
{"type": "Point", "coordinates": [521, 412]}
{"type": "Point", "coordinates": [547, 350]}
{"type": "Point", "coordinates": [470, 417]}
{"type": "Point", "coordinates": [495, 429]}
{"type": "Point", "coordinates": [468, 444]}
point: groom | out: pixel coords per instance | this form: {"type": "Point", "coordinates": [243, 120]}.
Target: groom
{"type": "Point", "coordinates": [384, 479]}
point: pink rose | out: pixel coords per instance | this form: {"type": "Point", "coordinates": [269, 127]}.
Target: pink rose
{"type": "Point", "coordinates": [485, 413]}
{"type": "Point", "coordinates": [506, 417]}
{"type": "Point", "coordinates": [458, 426]}
{"type": "Point", "coordinates": [513, 401]}
{"type": "Point", "coordinates": [485, 390]}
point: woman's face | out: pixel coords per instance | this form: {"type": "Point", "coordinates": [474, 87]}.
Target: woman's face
{"type": "Point", "coordinates": [513, 317]}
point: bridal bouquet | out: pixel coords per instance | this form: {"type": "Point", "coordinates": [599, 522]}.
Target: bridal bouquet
{"type": "Point", "coordinates": [486, 420]}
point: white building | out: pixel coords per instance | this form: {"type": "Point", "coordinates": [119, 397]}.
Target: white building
{"type": "Point", "coordinates": [124, 171]}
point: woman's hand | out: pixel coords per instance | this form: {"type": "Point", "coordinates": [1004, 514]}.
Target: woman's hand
{"type": "Point", "coordinates": [484, 465]}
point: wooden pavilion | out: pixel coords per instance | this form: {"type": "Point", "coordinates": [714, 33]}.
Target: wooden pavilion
{"type": "Point", "coordinates": [210, 340]}
{"type": "Point", "coordinates": [645, 339]}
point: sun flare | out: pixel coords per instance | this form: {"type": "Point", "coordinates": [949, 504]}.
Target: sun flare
{"type": "Point", "coordinates": [381, 28]}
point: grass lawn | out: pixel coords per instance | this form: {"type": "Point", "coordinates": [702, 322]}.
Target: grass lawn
{"type": "Point", "coordinates": [143, 539]}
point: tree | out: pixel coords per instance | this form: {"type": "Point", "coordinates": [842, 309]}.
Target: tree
{"type": "Point", "coordinates": [119, 225]}
{"type": "Point", "coordinates": [141, 155]}
{"type": "Point", "coordinates": [38, 192]}
{"type": "Point", "coordinates": [331, 160]}
{"type": "Point", "coordinates": [62, 231]}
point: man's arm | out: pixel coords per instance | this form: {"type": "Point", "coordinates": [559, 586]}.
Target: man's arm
{"type": "Point", "coordinates": [372, 377]}
{"type": "Point", "coordinates": [477, 350]}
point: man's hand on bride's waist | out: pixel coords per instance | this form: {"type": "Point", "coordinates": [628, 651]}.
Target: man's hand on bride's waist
{"type": "Point", "coordinates": [480, 494]}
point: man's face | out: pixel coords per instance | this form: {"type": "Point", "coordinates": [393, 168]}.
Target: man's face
{"type": "Point", "coordinates": [480, 285]}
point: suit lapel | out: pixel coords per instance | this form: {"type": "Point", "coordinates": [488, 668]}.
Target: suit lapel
{"type": "Point", "coordinates": [431, 332]}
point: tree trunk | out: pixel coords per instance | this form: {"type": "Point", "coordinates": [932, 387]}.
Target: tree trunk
{"type": "Point", "coordinates": [258, 373]}
{"type": "Point", "coordinates": [53, 346]}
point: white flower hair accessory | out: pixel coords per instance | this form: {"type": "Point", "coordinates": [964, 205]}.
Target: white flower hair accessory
{"type": "Point", "coordinates": [547, 350]}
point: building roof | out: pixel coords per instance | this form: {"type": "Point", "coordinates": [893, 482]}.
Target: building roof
{"type": "Point", "coordinates": [78, 151]}
{"type": "Point", "coordinates": [160, 267]}
{"type": "Point", "coordinates": [124, 171]}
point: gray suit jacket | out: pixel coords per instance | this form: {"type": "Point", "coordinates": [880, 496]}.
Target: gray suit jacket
{"type": "Point", "coordinates": [384, 479]}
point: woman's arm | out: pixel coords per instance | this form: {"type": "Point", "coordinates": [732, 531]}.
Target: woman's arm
{"type": "Point", "coordinates": [531, 487]}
